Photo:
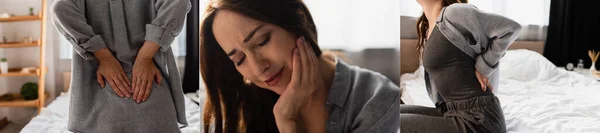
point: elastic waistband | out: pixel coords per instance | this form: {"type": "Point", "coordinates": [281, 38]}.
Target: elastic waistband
{"type": "Point", "coordinates": [480, 101]}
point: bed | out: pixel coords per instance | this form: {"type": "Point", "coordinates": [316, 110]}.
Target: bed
{"type": "Point", "coordinates": [53, 118]}
{"type": "Point", "coordinates": [535, 95]}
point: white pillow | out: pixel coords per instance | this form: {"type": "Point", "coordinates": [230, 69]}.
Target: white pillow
{"type": "Point", "coordinates": [526, 65]}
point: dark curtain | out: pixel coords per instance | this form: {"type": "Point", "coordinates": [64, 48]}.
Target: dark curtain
{"type": "Point", "coordinates": [191, 73]}
{"type": "Point", "coordinates": [574, 28]}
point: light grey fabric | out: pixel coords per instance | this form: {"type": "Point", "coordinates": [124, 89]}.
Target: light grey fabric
{"type": "Point", "coordinates": [483, 36]}
{"type": "Point", "coordinates": [122, 26]}
{"type": "Point", "coordinates": [362, 101]}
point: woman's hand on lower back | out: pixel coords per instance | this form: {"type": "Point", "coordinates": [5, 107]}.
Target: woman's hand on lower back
{"type": "Point", "coordinates": [301, 89]}
{"type": "Point", "coordinates": [484, 82]}
{"type": "Point", "coordinates": [145, 72]}
{"type": "Point", "coordinates": [111, 70]}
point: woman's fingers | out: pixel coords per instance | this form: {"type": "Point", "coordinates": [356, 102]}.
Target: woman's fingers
{"type": "Point", "coordinates": [126, 78]}
{"type": "Point", "coordinates": [123, 83]}
{"type": "Point", "coordinates": [143, 90]}
{"type": "Point", "coordinates": [147, 91]}
{"type": "Point", "coordinates": [296, 69]}
{"type": "Point", "coordinates": [312, 58]}
{"type": "Point", "coordinates": [120, 85]}
{"type": "Point", "coordinates": [114, 88]}
{"type": "Point", "coordinates": [136, 83]}
{"type": "Point", "coordinates": [158, 78]}
{"type": "Point", "coordinates": [490, 85]}
{"type": "Point", "coordinates": [306, 68]}
{"type": "Point", "coordinates": [481, 80]}
{"type": "Point", "coordinates": [100, 79]}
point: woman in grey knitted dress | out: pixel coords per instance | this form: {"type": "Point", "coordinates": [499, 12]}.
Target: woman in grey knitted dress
{"type": "Point", "coordinates": [461, 47]}
{"type": "Point", "coordinates": [124, 73]}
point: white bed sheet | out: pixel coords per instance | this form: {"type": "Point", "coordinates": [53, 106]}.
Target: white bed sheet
{"type": "Point", "coordinates": [53, 118]}
{"type": "Point", "coordinates": [535, 95]}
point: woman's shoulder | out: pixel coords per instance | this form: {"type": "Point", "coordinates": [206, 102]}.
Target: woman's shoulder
{"type": "Point", "coordinates": [374, 101]}
{"type": "Point", "coordinates": [370, 87]}
{"type": "Point", "coordinates": [459, 11]}
{"type": "Point", "coordinates": [376, 86]}
{"type": "Point", "coordinates": [460, 7]}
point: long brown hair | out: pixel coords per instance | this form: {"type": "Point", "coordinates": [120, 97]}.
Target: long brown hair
{"type": "Point", "coordinates": [233, 105]}
{"type": "Point", "coordinates": [423, 25]}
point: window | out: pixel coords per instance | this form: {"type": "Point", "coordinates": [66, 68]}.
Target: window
{"type": "Point", "coordinates": [526, 12]}
{"type": "Point", "coordinates": [353, 24]}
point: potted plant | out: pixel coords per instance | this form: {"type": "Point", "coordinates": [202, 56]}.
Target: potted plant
{"type": "Point", "coordinates": [29, 91]}
{"type": "Point", "coordinates": [31, 11]}
{"type": "Point", "coordinates": [3, 65]}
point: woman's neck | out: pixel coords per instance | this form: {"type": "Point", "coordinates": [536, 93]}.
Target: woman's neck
{"type": "Point", "coordinates": [327, 70]}
{"type": "Point", "coordinates": [432, 11]}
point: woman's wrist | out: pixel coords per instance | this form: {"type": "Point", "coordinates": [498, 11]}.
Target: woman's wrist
{"type": "Point", "coordinates": [147, 51]}
{"type": "Point", "coordinates": [103, 54]}
{"type": "Point", "coordinates": [286, 125]}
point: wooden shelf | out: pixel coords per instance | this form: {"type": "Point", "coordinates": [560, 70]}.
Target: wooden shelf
{"type": "Point", "coordinates": [20, 102]}
{"type": "Point", "coordinates": [21, 18]}
{"type": "Point", "coordinates": [41, 69]}
{"type": "Point", "coordinates": [19, 45]}
{"type": "Point", "coordinates": [17, 72]}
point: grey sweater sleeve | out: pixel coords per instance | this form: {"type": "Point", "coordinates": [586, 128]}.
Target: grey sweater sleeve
{"type": "Point", "coordinates": [497, 32]}
{"type": "Point", "coordinates": [168, 23]}
{"type": "Point", "coordinates": [72, 24]}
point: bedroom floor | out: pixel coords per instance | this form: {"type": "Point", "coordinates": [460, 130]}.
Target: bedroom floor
{"type": "Point", "coordinates": [12, 128]}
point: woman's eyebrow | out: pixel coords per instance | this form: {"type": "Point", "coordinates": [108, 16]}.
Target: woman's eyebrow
{"type": "Point", "coordinates": [251, 34]}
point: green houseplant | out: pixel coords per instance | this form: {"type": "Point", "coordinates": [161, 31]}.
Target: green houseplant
{"type": "Point", "coordinates": [29, 91]}
{"type": "Point", "coordinates": [3, 65]}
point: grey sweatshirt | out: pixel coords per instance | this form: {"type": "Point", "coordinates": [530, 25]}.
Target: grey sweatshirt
{"type": "Point", "coordinates": [483, 36]}
{"type": "Point", "coordinates": [122, 26]}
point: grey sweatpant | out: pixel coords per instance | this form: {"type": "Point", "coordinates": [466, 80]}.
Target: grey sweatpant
{"type": "Point", "coordinates": [481, 114]}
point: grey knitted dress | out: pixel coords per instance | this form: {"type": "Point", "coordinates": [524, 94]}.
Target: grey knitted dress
{"type": "Point", "coordinates": [122, 26]}
{"type": "Point", "coordinates": [465, 108]}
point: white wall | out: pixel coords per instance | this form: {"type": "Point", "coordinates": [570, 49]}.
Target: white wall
{"type": "Point", "coordinates": [25, 57]}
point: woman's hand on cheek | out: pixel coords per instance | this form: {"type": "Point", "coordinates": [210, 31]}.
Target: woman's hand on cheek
{"type": "Point", "coordinates": [301, 89]}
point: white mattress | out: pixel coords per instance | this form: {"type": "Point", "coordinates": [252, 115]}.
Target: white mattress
{"type": "Point", "coordinates": [535, 95]}
{"type": "Point", "coordinates": [53, 118]}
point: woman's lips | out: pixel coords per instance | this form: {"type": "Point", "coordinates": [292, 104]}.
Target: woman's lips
{"type": "Point", "coordinates": [272, 81]}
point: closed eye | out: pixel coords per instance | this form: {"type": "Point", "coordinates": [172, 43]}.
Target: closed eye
{"type": "Point", "coordinates": [266, 40]}
{"type": "Point", "coordinates": [238, 63]}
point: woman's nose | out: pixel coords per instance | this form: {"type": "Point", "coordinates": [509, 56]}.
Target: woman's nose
{"type": "Point", "coordinates": [259, 65]}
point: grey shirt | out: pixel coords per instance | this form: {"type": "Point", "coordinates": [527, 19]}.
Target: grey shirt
{"type": "Point", "coordinates": [483, 36]}
{"type": "Point", "coordinates": [122, 26]}
{"type": "Point", "coordinates": [452, 71]}
{"type": "Point", "coordinates": [362, 101]}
